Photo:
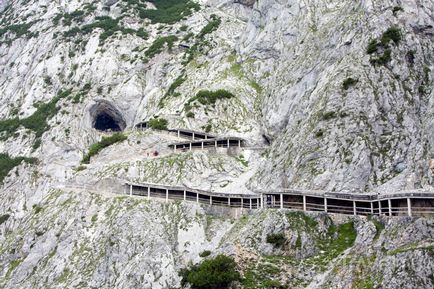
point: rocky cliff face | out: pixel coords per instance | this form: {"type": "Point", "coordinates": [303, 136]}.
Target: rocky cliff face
{"type": "Point", "coordinates": [337, 94]}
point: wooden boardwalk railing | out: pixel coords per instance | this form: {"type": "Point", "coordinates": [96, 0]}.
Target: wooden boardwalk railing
{"type": "Point", "coordinates": [415, 203]}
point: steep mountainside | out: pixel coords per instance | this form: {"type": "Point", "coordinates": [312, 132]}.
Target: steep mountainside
{"type": "Point", "coordinates": [329, 95]}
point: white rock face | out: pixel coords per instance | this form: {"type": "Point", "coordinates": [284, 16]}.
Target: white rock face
{"type": "Point", "coordinates": [284, 61]}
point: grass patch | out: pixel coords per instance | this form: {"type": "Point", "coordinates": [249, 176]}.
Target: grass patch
{"type": "Point", "coordinates": [99, 146]}
{"type": "Point", "coordinates": [7, 164]}
{"type": "Point", "coordinates": [216, 273]}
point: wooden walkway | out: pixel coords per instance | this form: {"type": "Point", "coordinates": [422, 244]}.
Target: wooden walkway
{"type": "Point", "coordinates": [415, 203]}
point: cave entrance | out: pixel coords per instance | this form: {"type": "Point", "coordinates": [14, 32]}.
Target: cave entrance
{"type": "Point", "coordinates": [106, 117]}
{"type": "Point", "coordinates": [105, 122]}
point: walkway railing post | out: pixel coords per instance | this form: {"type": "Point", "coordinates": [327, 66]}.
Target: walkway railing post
{"type": "Point", "coordinates": [215, 144]}
{"type": "Point", "coordinates": [325, 205]}
{"type": "Point", "coordinates": [131, 190]}
{"type": "Point", "coordinates": [179, 134]}
{"type": "Point", "coordinates": [149, 193]}
{"type": "Point", "coordinates": [201, 145]}
{"type": "Point", "coordinates": [250, 204]}
{"type": "Point", "coordinates": [197, 198]}
{"type": "Point", "coordinates": [379, 208]}
{"type": "Point", "coordinates": [262, 201]}
{"type": "Point", "coordinates": [228, 143]}
{"type": "Point", "coordinates": [304, 203]}
{"type": "Point", "coordinates": [190, 146]}
{"type": "Point", "coordinates": [193, 136]}
{"type": "Point", "coordinates": [409, 207]}
{"type": "Point", "coordinates": [210, 200]}
{"type": "Point", "coordinates": [354, 208]}
{"type": "Point", "coordinates": [229, 202]}
{"type": "Point", "coordinates": [242, 203]}
{"type": "Point", "coordinates": [372, 208]}
{"type": "Point", "coordinates": [389, 203]}
{"type": "Point", "coordinates": [185, 195]}
{"type": "Point", "coordinates": [281, 201]}
{"type": "Point", "coordinates": [239, 143]}
{"type": "Point", "coordinates": [167, 195]}
{"type": "Point", "coordinates": [174, 148]}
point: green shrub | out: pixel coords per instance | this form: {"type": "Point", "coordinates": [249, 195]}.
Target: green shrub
{"type": "Point", "coordinates": [109, 26]}
{"type": "Point", "coordinates": [210, 27]}
{"type": "Point", "coordinates": [276, 239]}
{"type": "Point", "coordinates": [372, 47]}
{"type": "Point", "coordinates": [37, 209]}
{"type": "Point", "coordinates": [158, 123]}
{"type": "Point", "coordinates": [391, 34]}
{"type": "Point", "coordinates": [168, 11]}
{"type": "Point", "coordinates": [4, 218]}
{"type": "Point", "coordinates": [37, 122]}
{"type": "Point", "coordinates": [190, 114]}
{"type": "Point", "coordinates": [99, 146]}
{"type": "Point", "coordinates": [216, 273]}
{"type": "Point", "coordinates": [7, 164]}
{"type": "Point", "coordinates": [205, 253]}
{"type": "Point", "coordinates": [328, 115]}
{"type": "Point", "coordinates": [348, 83]}
{"type": "Point", "coordinates": [159, 44]}
{"type": "Point", "coordinates": [177, 83]}
{"type": "Point", "coordinates": [207, 97]}
{"type": "Point", "coordinates": [397, 9]}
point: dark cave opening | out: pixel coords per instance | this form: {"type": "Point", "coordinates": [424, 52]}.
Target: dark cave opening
{"type": "Point", "coordinates": [106, 117]}
{"type": "Point", "coordinates": [105, 122]}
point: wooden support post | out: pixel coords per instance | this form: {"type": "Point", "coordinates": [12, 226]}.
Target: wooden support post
{"type": "Point", "coordinates": [281, 201]}
{"type": "Point", "coordinates": [202, 145]}
{"type": "Point", "coordinates": [379, 208]}
{"type": "Point", "coordinates": [354, 208]}
{"type": "Point", "coordinates": [167, 195]}
{"type": "Point", "coordinates": [179, 134]}
{"type": "Point", "coordinates": [210, 200]}
{"type": "Point", "coordinates": [250, 200]}
{"type": "Point", "coordinates": [216, 144]}
{"type": "Point", "coordinates": [185, 195]}
{"type": "Point", "coordinates": [389, 202]}
{"type": "Point", "coordinates": [372, 208]}
{"type": "Point", "coordinates": [197, 198]}
{"type": "Point", "coordinates": [409, 207]}
{"type": "Point", "coordinates": [262, 201]}
{"type": "Point", "coordinates": [229, 202]}
{"type": "Point", "coordinates": [239, 143]}
{"type": "Point", "coordinates": [325, 205]}
{"type": "Point", "coordinates": [304, 203]}
{"type": "Point", "coordinates": [193, 136]}
{"type": "Point", "coordinates": [149, 193]}
{"type": "Point", "coordinates": [131, 190]}
{"type": "Point", "coordinates": [229, 143]}
{"type": "Point", "coordinates": [190, 146]}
